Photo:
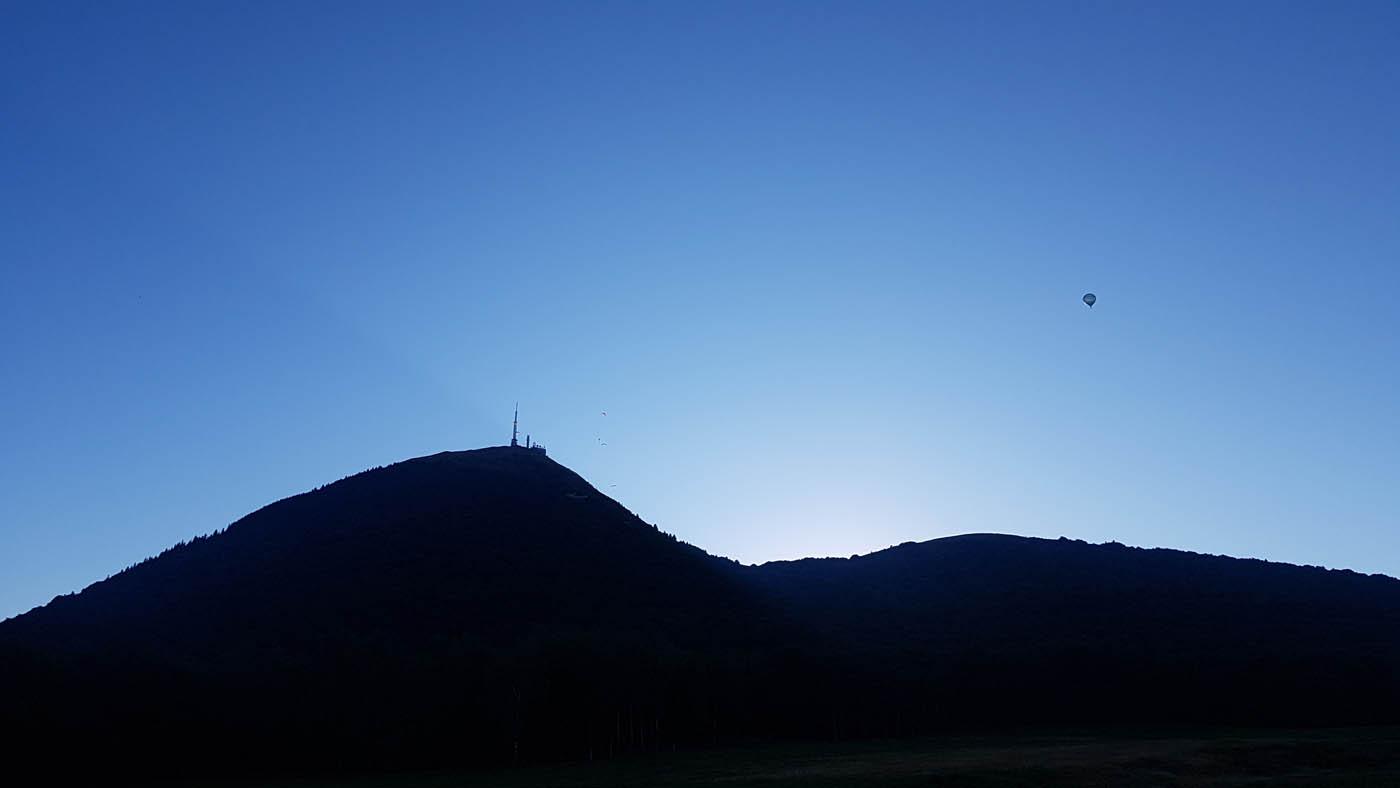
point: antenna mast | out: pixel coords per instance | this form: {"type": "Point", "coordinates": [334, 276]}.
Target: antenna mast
{"type": "Point", "coordinates": [515, 426]}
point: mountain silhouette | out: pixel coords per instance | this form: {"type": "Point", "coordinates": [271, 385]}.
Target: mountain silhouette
{"type": "Point", "coordinates": [491, 606]}
{"type": "Point", "coordinates": [495, 545]}
{"type": "Point", "coordinates": [1014, 629]}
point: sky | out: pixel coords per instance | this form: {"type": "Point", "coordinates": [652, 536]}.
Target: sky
{"type": "Point", "coordinates": [819, 263]}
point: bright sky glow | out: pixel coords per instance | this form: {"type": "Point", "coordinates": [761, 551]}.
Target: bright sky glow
{"type": "Point", "coordinates": [821, 263]}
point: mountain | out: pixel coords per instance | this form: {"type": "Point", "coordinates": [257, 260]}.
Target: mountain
{"type": "Point", "coordinates": [1006, 628]}
{"type": "Point", "coordinates": [486, 602]}
{"type": "Point", "coordinates": [490, 606]}
{"type": "Point", "coordinates": [490, 546]}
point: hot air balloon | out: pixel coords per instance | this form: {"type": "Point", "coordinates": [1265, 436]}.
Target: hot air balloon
{"type": "Point", "coordinates": [1089, 299]}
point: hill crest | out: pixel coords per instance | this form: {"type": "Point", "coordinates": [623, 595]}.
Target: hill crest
{"type": "Point", "coordinates": [490, 602]}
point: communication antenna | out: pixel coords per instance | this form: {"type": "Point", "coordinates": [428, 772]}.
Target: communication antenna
{"type": "Point", "coordinates": [515, 426]}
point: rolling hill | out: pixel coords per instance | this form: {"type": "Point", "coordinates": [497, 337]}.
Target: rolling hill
{"type": "Point", "coordinates": [490, 606]}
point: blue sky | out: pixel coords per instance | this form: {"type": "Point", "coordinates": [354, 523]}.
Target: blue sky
{"type": "Point", "coordinates": [820, 263]}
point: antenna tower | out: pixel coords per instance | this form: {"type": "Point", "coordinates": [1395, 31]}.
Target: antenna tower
{"type": "Point", "coordinates": [515, 426]}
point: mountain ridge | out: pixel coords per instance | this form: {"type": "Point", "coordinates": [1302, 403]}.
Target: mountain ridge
{"type": "Point", "coordinates": [490, 605]}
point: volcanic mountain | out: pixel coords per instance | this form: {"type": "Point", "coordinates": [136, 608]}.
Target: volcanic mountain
{"type": "Point", "coordinates": [490, 546]}
{"type": "Point", "coordinates": [491, 606]}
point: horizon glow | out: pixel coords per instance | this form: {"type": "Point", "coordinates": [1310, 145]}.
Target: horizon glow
{"type": "Point", "coordinates": [820, 264]}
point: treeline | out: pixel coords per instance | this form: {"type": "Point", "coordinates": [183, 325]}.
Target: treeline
{"type": "Point", "coordinates": [490, 608]}
{"type": "Point", "coordinates": [583, 699]}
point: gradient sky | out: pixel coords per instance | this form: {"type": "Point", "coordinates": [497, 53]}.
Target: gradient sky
{"type": "Point", "coordinates": [820, 263]}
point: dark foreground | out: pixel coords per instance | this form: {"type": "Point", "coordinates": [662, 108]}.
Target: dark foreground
{"type": "Point", "coordinates": [1332, 757]}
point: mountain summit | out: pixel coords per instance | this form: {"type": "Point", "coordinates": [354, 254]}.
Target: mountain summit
{"type": "Point", "coordinates": [491, 606]}
{"type": "Point", "coordinates": [494, 545]}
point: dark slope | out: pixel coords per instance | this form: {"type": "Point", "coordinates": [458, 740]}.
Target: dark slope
{"type": "Point", "coordinates": [487, 546]}
{"type": "Point", "coordinates": [1036, 629]}
{"type": "Point", "coordinates": [994, 592]}
{"type": "Point", "coordinates": [490, 606]}
{"type": "Point", "coordinates": [481, 605]}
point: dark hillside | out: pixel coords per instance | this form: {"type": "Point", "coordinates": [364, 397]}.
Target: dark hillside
{"type": "Point", "coordinates": [1068, 631]}
{"type": "Point", "coordinates": [492, 545]}
{"type": "Point", "coordinates": [486, 603]}
{"type": "Point", "coordinates": [490, 607]}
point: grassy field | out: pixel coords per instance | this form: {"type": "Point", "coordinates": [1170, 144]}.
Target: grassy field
{"type": "Point", "coordinates": [1334, 757]}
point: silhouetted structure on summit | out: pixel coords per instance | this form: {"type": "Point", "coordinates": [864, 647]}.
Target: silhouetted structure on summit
{"type": "Point", "coordinates": [515, 435]}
